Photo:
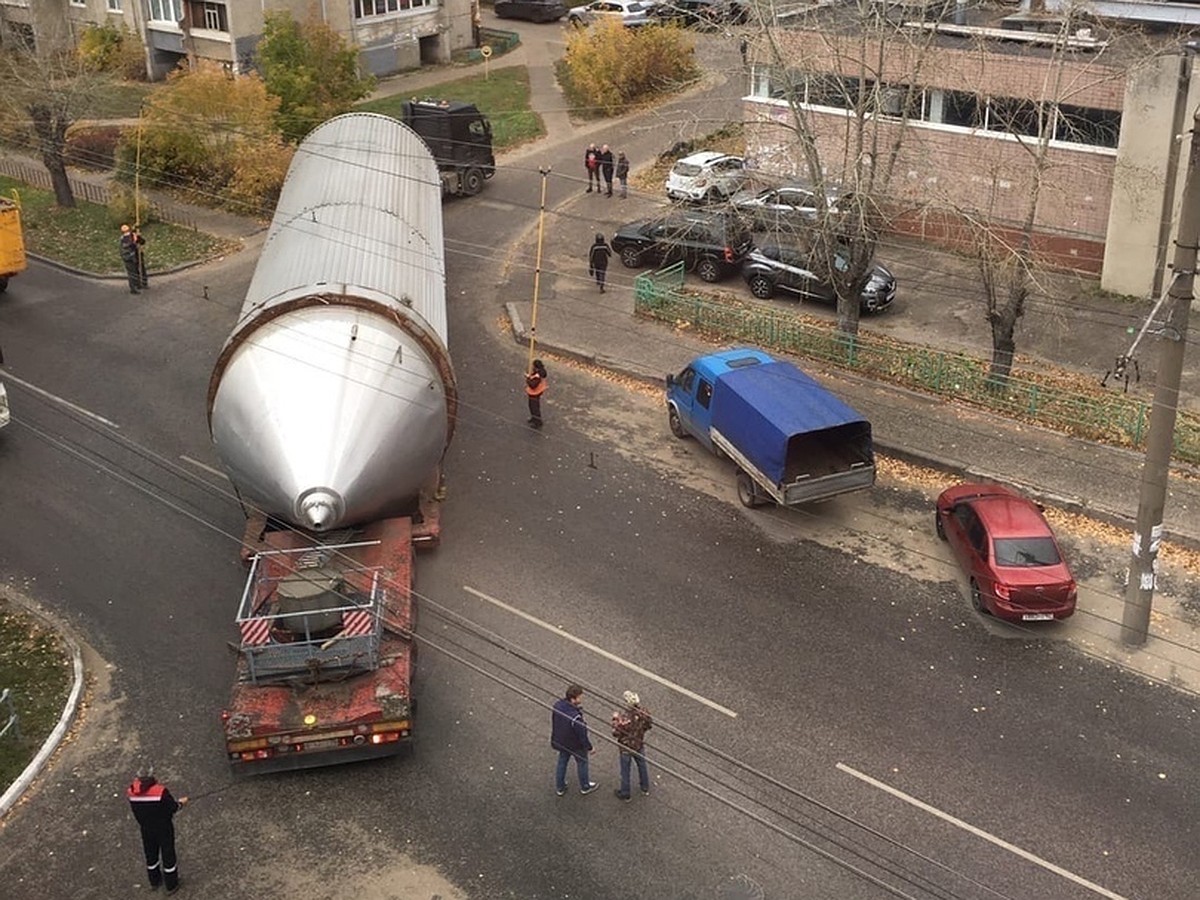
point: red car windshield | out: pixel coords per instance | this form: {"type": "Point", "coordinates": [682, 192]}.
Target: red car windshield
{"type": "Point", "coordinates": [1023, 552]}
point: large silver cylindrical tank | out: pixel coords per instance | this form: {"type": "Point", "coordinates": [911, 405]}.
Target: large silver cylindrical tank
{"type": "Point", "coordinates": [333, 400]}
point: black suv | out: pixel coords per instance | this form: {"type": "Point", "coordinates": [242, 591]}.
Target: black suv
{"type": "Point", "coordinates": [710, 242]}
{"type": "Point", "coordinates": [775, 267]}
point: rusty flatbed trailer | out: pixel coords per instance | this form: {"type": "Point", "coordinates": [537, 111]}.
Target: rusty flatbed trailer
{"type": "Point", "coordinates": [326, 654]}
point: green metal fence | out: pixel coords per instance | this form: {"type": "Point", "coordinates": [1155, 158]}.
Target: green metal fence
{"type": "Point", "coordinates": [1106, 416]}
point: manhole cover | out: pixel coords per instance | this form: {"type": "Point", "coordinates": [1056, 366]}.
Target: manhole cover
{"type": "Point", "coordinates": [741, 887]}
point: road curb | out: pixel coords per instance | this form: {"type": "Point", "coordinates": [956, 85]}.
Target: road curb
{"type": "Point", "coordinates": [957, 468]}
{"type": "Point", "coordinates": [17, 789]}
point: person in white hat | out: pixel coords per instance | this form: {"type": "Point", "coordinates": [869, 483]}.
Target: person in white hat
{"type": "Point", "coordinates": [629, 727]}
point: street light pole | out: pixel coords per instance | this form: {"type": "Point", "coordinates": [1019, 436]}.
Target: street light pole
{"type": "Point", "coordinates": [537, 270]}
{"type": "Point", "coordinates": [1160, 441]}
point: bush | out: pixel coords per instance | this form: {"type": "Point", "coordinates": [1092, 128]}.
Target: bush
{"type": "Point", "coordinates": [93, 147]}
{"type": "Point", "coordinates": [107, 48]}
{"type": "Point", "coordinates": [608, 68]}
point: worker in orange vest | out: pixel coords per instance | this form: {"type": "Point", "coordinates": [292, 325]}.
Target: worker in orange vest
{"type": "Point", "coordinates": [535, 386]}
{"type": "Point", "coordinates": [155, 808]}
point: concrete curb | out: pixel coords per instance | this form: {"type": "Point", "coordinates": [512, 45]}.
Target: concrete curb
{"type": "Point", "coordinates": [17, 789]}
{"type": "Point", "coordinates": [1076, 505]}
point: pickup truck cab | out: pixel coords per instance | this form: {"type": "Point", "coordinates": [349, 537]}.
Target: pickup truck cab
{"type": "Point", "coordinates": [791, 439]}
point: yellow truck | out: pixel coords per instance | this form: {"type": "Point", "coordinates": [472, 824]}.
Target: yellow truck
{"type": "Point", "coordinates": [12, 244]}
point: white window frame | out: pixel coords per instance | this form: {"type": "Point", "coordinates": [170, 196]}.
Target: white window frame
{"type": "Point", "coordinates": [158, 8]}
{"type": "Point", "coordinates": [114, 6]}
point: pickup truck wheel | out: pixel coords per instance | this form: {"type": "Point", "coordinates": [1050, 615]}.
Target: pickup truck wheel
{"type": "Point", "coordinates": [748, 491]}
{"type": "Point", "coordinates": [709, 270]}
{"type": "Point", "coordinates": [472, 182]}
{"type": "Point", "coordinates": [938, 526]}
{"type": "Point", "coordinates": [630, 258]}
{"type": "Point", "coordinates": [761, 287]}
{"type": "Point", "coordinates": [675, 424]}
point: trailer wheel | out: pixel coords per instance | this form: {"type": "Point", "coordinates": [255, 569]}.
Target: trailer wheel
{"type": "Point", "coordinates": [675, 424]}
{"type": "Point", "coordinates": [472, 182]}
{"type": "Point", "coordinates": [938, 526]}
{"type": "Point", "coordinates": [748, 490]}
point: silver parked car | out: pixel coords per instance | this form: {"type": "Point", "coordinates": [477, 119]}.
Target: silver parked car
{"type": "Point", "coordinates": [630, 13]}
{"type": "Point", "coordinates": [784, 207]}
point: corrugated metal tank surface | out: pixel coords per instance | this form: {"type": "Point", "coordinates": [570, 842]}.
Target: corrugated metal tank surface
{"type": "Point", "coordinates": [333, 400]}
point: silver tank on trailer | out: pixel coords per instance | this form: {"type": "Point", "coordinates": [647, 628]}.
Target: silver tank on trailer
{"type": "Point", "coordinates": [333, 400]}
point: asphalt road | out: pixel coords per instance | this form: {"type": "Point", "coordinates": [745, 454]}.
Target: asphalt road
{"type": "Point", "coordinates": [856, 649]}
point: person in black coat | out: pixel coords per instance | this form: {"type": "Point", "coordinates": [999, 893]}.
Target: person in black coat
{"type": "Point", "coordinates": [606, 167]}
{"type": "Point", "coordinates": [598, 257]}
{"type": "Point", "coordinates": [155, 808]}
{"type": "Point", "coordinates": [133, 256]}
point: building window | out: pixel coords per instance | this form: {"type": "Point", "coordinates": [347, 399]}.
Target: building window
{"type": "Point", "coordinates": [365, 9]}
{"type": "Point", "coordinates": [166, 11]}
{"type": "Point", "coordinates": [114, 5]}
{"type": "Point", "coordinates": [78, 2]}
{"type": "Point", "coordinates": [1061, 123]}
{"type": "Point", "coordinates": [207, 15]}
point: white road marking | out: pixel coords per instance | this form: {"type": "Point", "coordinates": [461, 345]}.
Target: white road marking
{"type": "Point", "coordinates": [597, 650]}
{"type": "Point", "coordinates": [204, 468]}
{"type": "Point", "coordinates": [59, 400]}
{"type": "Point", "coordinates": [978, 832]}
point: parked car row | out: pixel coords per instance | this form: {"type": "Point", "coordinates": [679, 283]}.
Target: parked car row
{"type": "Point", "coordinates": [632, 13]}
{"type": "Point", "coordinates": [715, 243]}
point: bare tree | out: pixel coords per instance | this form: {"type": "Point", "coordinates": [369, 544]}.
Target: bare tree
{"type": "Point", "coordinates": [1007, 233]}
{"type": "Point", "coordinates": [51, 85]}
{"type": "Point", "coordinates": [850, 77]}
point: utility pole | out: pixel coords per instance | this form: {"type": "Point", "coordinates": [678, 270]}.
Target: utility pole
{"type": "Point", "coordinates": [1139, 593]}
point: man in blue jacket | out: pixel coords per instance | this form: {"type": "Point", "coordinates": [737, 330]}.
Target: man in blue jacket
{"type": "Point", "coordinates": [569, 736]}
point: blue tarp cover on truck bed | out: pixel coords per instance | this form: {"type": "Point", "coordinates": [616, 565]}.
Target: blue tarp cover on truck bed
{"type": "Point", "coordinates": [759, 407]}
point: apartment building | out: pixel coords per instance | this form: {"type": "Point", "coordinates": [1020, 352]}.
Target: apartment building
{"type": "Point", "coordinates": [392, 35]}
{"type": "Point", "coordinates": [979, 96]}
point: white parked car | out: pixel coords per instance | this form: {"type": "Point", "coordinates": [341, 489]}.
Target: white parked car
{"type": "Point", "coordinates": [630, 13]}
{"type": "Point", "coordinates": [707, 176]}
{"type": "Point", "coordinates": [4, 415]}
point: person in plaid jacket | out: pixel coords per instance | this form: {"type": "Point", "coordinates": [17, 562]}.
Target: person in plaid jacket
{"type": "Point", "coordinates": [629, 727]}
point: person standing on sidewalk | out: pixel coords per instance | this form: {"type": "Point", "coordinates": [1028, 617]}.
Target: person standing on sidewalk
{"type": "Point", "coordinates": [591, 162]}
{"type": "Point", "coordinates": [131, 255]}
{"type": "Point", "coordinates": [155, 808]}
{"type": "Point", "coordinates": [569, 736]}
{"type": "Point", "coordinates": [598, 257]}
{"type": "Point", "coordinates": [629, 727]}
{"type": "Point", "coordinates": [623, 173]}
{"type": "Point", "coordinates": [535, 385]}
{"type": "Point", "coordinates": [606, 168]}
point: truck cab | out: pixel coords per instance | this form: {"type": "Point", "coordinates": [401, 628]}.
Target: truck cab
{"type": "Point", "coordinates": [460, 138]}
{"type": "Point", "coordinates": [689, 394]}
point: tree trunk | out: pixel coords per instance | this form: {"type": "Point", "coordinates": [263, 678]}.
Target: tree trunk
{"type": "Point", "coordinates": [847, 316]}
{"type": "Point", "coordinates": [1003, 319]}
{"type": "Point", "coordinates": [51, 130]}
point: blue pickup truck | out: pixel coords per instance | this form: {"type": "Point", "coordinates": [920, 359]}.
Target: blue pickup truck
{"type": "Point", "coordinates": [791, 439]}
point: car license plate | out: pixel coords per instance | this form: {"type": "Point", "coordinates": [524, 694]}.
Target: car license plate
{"type": "Point", "coordinates": [321, 745]}
{"type": "Point", "coordinates": [1037, 617]}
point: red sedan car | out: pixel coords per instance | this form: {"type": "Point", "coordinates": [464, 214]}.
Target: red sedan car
{"type": "Point", "coordinates": [1008, 551]}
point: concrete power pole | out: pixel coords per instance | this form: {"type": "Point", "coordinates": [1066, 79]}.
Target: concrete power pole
{"type": "Point", "coordinates": [1139, 593]}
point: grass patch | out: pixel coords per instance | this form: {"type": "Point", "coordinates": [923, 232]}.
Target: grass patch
{"type": "Point", "coordinates": [120, 100]}
{"type": "Point", "coordinates": [86, 237]}
{"type": "Point", "coordinates": [503, 97]}
{"type": "Point", "coordinates": [36, 669]}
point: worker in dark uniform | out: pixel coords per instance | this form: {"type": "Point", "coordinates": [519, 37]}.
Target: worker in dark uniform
{"type": "Point", "coordinates": [535, 386]}
{"type": "Point", "coordinates": [155, 808]}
